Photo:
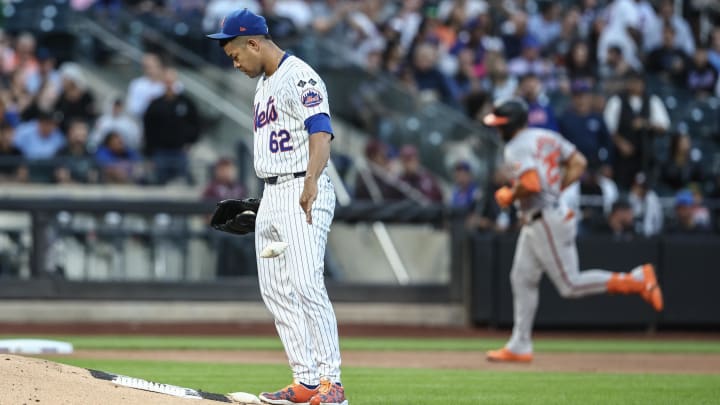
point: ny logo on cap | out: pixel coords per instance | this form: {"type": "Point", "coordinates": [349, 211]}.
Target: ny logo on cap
{"type": "Point", "coordinates": [242, 29]}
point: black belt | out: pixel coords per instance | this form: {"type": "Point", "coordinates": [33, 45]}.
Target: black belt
{"type": "Point", "coordinates": [274, 179]}
{"type": "Point", "coordinates": [536, 216]}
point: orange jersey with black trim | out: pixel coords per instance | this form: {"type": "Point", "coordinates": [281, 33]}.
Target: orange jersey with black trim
{"type": "Point", "coordinates": [542, 151]}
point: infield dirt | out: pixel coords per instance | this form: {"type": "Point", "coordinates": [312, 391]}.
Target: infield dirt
{"type": "Point", "coordinates": [29, 381]}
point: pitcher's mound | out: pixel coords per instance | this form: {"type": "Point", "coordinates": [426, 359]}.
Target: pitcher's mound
{"type": "Point", "coordinates": [36, 381]}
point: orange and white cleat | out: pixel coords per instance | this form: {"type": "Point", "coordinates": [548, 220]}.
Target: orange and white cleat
{"type": "Point", "coordinates": [652, 293]}
{"type": "Point", "coordinates": [293, 394]}
{"type": "Point", "coordinates": [506, 356]}
{"type": "Point", "coordinates": [329, 393]}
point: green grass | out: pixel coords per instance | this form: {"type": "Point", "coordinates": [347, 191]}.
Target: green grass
{"type": "Point", "coordinates": [394, 344]}
{"type": "Point", "coordinates": [419, 386]}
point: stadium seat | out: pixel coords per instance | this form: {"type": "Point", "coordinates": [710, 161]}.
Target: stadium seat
{"type": "Point", "coordinates": [701, 116]}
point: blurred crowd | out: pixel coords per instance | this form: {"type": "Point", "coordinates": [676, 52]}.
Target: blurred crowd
{"type": "Point", "coordinates": [632, 83]}
{"type": "Point", "coordinates": [53, 128]}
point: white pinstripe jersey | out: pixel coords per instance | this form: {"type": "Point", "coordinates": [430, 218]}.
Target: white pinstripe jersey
{"type": "Point", "coordinates": [544, 151]}
{"type": "Point", "coordinates": [283, 101]}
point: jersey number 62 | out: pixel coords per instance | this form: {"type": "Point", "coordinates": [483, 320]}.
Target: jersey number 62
{"type": "Point", "coordinates": [279, 141]}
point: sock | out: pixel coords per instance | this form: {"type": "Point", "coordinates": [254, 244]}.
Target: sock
{"type": "Point", "coordinates": [624, 283]}
{"type": "Point", "coordinates": [310, 387]}
{"type": "Point", "coordinates": [637, 273]}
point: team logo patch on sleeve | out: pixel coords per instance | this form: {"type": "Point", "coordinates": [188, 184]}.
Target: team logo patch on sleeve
{"type": "Point", "coordinates": [311, 98]}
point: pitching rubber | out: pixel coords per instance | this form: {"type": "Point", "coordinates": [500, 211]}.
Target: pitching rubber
{"type": "Point", "coordinates": [244, 398]}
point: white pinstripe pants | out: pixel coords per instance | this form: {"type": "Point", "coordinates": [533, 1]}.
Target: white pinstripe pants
{"type": "Point", "coordinates": [292, 284]}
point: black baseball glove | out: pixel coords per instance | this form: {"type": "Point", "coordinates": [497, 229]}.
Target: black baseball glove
{"type": "Point", "coordinates": [235, 216]}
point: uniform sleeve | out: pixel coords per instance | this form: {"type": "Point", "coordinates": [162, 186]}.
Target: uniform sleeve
{"type": "Point", "coordinates": [307, 95]}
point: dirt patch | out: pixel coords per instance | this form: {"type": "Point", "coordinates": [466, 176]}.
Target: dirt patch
{"type": "Point", "coordinates": [660, 363]}
{"type": "Point", "coordinates": [34, 381]}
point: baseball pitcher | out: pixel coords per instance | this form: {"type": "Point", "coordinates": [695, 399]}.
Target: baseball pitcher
{"type": "Point", "coordinates": [292, 135]}
{"type": "Point", "coordinates": [543, 163]}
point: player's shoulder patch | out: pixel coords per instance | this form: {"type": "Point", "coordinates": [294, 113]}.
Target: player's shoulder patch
{"type": "Point", "coordinates": [311, 97]}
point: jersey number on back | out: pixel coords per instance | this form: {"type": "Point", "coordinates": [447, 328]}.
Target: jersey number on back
{"type": "Point", "coordinates": [551, 161]}
{"type": "Point", "coordinates": [549, 152]}
{"type": "Point", "coordinates": [279, 141]}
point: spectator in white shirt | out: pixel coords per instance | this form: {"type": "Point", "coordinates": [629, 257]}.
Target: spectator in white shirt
{"type": "Point", "coordinates": [621, 29]}
{"type": "Point", "coordinates": [216, 10]}
{"type": "Point", "coordinates": [296, 10]}
{"type": "Point", "coordinates": [144, 89]}
{"type": "Point", "coordinates": [46, 75]}
{"type": "Point", "coordinates": [115, 119]}
{"type": "Point", "coordinates": [545, 26]}
{"type": "Point", "coordinates": [646, 207]}
{"type": "Point", "coordinates": [683, 35]}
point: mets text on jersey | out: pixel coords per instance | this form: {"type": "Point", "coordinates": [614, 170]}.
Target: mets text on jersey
{"type": "Point", "coordinates": [263, 118]}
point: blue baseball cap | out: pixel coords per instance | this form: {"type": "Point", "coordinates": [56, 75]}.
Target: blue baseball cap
{"type": "Point", "coordinates": [530, 42]}
{"type": "Point", "coordinates": [241, 23]}
{"type": "Point", "coordinates": [684, 198]}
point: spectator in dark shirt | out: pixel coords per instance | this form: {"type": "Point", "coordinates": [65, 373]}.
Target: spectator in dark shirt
{"type": "Point", "coordinates": [702, 77]}
{"type": "Point", "coordinates": [417, 177]}
{"type": "Point", "coordinates": [686, 220]}
{"type": "Point", "coordinates": [118, 163]}
{"type": "Point", "coordinates": [615, 69]}
{"type": "Point", "coordinates": [465, 192]}
{"type": "Point", "coordinates": [714, 48]}
{"type": "Point", "coordinates": [12, 167]}
{"type": "Point", "coordinates": [377, 183]}
{"type": "Point", "coordinates": [488, 216]}
{"type": "Point", "coordinates": [467, 78]}
{"type": "Point", "coordinates": [579, 65]}
{"type": "Point", "coordinates": [620, 223]}
{"type": "Point", "coordinates": [8, 116]}
{"type": "Point", "coordinates": [540, 112]}
{"type": "Point", "coordinates": [681, 167]}
{"type": "Point", "coordinates": [516, 31]}
{"type": "Point", "coordinates": [431, 82]}
{"type": "Point", "coordinates": [531, 63]}
{"type": "Point", "coordinates": [280, 27]}
{"type": "Point", "coordinates": [633, 118]}
{"type": "Point", "coordinates": [224, 184]}
{"type": "Point", "coordinates": [75, 162]}
{"type": "Point", "coordinates": [75, 101]}
{"type": "Point", "coordinates": [171, 126]}
{"type": "Point", "coordinates": [585, 128]}
{"type": "Point", "coordinates": [669, 61]}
